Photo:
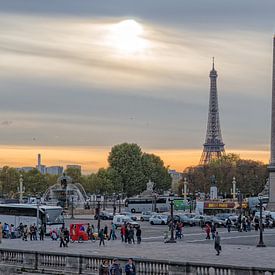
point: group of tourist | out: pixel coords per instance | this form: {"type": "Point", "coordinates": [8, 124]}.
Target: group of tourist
{"type": "Point", "coordinates": [115, 269]}
{"type": "Point", "coordinates": [11, 232]}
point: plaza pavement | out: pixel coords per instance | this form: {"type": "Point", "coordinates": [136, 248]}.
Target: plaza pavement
{"type": "Point", "coordinates": [238, 255]}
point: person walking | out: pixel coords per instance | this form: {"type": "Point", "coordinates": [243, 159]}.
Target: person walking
{"type": "Point", "coordinates": [62, 239]}
{"type": "Point", "coordinates": [41, 232]}
{"type": "Point", "coordinates": [66, 236]}
{"type": "Point", "coordinates": [12, 228]}
{"type": "Point", "coordinates": [126, 239]}
{"type": "Point", "coordinates": [122, 232]}
{"type": "Point", "coordinates": [131, 235]}
{"type": "Point", "coordinates": [25, 233]}
{"type": "Point", "coordinates": [228, 225]}
{"type": "Point", "coordinates": [106, 232]}
{"type": "Point", "coordinates": [104, 268]}
{"type": "Point", "coordinates": [217, 243]}
{"type": "Point", "coordinates": [115, 268]}
{"type": "Point", "coordinates": [113, 232]}
{"type": "Point", "coordinates": [130, 268]}
{"type": "Point", "coordinates": [138, 235]}
{"type": "Point", "coordinates": [101, 237]}
{"type": "Point", "coordinates": [213, 230]}
{"type": "Point", "coordinates": [207, 231]}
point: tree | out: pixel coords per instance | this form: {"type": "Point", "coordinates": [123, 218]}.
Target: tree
{"type": "Point", "coordinates": [154, 170]}
{"type": "Point", "coordinates": [126, 160]}
{"type": "Point", "coordinates": [250, 175]}
{"type": "Point", "coordinates": [74, 173]}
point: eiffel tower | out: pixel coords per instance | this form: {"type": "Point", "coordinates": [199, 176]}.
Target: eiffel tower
{"type": "Point", "coordinates": [213, 147]}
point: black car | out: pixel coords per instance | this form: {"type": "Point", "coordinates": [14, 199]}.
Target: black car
{"type": "Point", "coordinates": [104, 216]}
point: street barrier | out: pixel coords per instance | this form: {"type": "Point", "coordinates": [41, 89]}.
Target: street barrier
{"type": "Point", "coordinates": [13, 261]}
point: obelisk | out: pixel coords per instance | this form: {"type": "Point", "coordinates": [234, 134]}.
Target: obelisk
{"type": "Point", "coordinates": [271, 167]}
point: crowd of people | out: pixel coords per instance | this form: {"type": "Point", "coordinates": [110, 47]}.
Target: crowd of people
{"type": "Point", "coordinates": [115, 268]}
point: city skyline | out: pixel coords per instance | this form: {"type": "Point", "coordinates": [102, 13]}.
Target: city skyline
{"type": "Point", "coordinates": [73, 82]}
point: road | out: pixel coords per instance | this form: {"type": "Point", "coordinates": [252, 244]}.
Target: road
{"type": "Point", "coordinates": [155, 233]}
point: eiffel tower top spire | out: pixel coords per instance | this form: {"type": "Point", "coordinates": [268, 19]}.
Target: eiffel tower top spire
{"type": "Point", "coordinates": [213, 146]}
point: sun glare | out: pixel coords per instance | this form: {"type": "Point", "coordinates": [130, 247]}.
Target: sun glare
{"type": "Point", "coordinates": [127, 37]}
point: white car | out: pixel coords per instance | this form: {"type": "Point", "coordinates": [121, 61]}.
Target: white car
{"type": "Point", "coordinates": [158, 219]}
{"type": "Point", "coordinates": [119, 220]}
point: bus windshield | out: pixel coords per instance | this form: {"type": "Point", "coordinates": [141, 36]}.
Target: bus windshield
{"type": "Point", "coordinates": [54, 216]}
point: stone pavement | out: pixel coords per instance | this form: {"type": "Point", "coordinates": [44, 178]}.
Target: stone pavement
{"type": "Point", "coordinates": [238, 255]}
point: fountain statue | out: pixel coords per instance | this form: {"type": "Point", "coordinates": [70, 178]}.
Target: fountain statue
{"type": "Point", "coordinates": [65, 193]}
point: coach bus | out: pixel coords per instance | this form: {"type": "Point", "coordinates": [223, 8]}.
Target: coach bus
{"type": "Point", "coordinates": [160, 204]}
{"type": "Point", "coordinates": [50, 216]}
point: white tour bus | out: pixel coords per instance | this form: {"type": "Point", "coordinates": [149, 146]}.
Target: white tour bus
{"type": "Point", "coordinates": [50, 216]}
{"type": "Point", "coordinates": [143, 204]}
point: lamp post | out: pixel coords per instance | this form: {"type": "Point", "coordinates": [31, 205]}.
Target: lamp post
{"type": "Point", "coordinates": [185, 189]}
{"type": "Point", "coordinates": [37, 211]}
{"type": "Point", "coordinates": [98, 199]}
{"type": "Point", "coordinates": [234, 188]}
{"type": "Point", "coordinates": [261, 241]}
{"type": "Point", "coordinates": [72, 205]}
{"type": "Point", "coordinates": [172, 238]}
{"type": "Point", "coordinates": [21, 189]}
{"type": "Point", "coordinates": [114, 204]}
{"type": "Point", "coordinates": [119, 203]}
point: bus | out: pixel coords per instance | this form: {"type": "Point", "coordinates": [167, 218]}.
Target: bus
{"type": "Point", "coordinates": [143, 204]}
{"type": "Point", "coordinates": [50, 216]}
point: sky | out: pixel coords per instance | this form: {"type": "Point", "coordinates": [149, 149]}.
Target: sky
{"type": "Point", "coordinates": [77, 77]}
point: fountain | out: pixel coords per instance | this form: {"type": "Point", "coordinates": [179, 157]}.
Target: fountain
{"type": "Point", "coordinates": [65, 193]}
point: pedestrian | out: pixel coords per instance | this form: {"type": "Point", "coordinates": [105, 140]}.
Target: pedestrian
{"type": "Point", "coordinates": [34, 232]}
{"type": "Point", "coordinates": [228, 225]}
{"type": "Point", "coordinates": [25, 233]}
{"type": "Point", "coordinates": [213, 230]}
{"type": "Point", "coordinates": [126, 234]}
{"type": "Point", "coordinates": [207, 231]}
{"type": "Point", "coordinates": [131, 235]}
{"type": "Point", "coordinates": [6, 231]}
{"type": "Point", "coordinates": [66, 236]}
{"type": "Point", "coordinates": [101, 237]}
{"type": "Point", "coordinates": [12, 228]}
{"type": "Point", "coordinates": [104, 268]}
{"type": "Point", "coordinates": [256, 223]}
{"type": "Point", "coordinates": [1, 232]}
{"type": "Point", "coordinates": [41, 232]}
{"type": "Point", "coordinates": [138, 235]}
{"type": "Point", "coordinates": [244, 224]}
{"type": "Point", "coordinates": [130, 268]}
{"type": "Point", "coordinates": [62, 239]}
{"type": "Point", "coordinates": [122, 232]}
{"type": "Point", "coordinates": [217, 245]}
{"type": "Point", "coordinates": [106, 232]}
{"type": "Point", "coordinates": [31, 232]}
{"type": "Point", "coordinates": [113, 234]}
{"type": "Point", "coordinates": [115, 268]}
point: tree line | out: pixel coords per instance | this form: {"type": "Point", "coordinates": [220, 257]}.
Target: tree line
{"type": "Point", "coordinates": [250, 176]}
{"type": "Point", "coordinates": [128, 171]}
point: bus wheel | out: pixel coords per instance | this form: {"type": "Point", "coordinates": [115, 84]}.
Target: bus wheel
{"type": "Point", "coordinates": [133, 210]}
{"type": "Point", "coordinates": [80, 239]}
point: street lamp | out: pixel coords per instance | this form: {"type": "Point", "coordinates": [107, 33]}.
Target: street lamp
{"type": "Point", "coordinates": [119, 202]}
{"type": "Point", "coordinates": [21, 189]}
{"type": "Point", "coordinates": [172, 238]}
{"type": "Point", "coordinates": [114, 204]}
{"type": "Point", "coordinates": [261, 241]}
{"type": "Point", "coordinates": [98, 199]}
{"type": "Point", "coordinates": [72, 210]}
{"type": "Point", "coordinates": [234, 188]}
{"type": "Point", "coordinates": [37, 211]}
{"type": "Point", "coordinates": [185, 189]}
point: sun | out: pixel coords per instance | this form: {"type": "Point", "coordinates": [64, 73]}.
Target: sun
{"type": "Point", "coordinates": [127, 37]}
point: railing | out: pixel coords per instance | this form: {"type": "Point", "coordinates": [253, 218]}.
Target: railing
{"type": "Point", "coordinates": [62, 263]}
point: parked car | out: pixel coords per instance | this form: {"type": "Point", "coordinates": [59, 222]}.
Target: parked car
{"type": "Point", "coordinates": [129, 214]}
{"type": "Point", "coordinates": [158, 219]}
{"type": "Point", "coordinates": [145, 216]}
{"type": "Point", "coordinates": [198, 220]}
{"type": "Point", "coordinates": [104, 216]}
{"type": "Point", "coordinates": [119, 220]}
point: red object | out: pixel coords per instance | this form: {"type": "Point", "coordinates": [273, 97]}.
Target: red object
{"type": "Point", "coordinates": [78, 232]}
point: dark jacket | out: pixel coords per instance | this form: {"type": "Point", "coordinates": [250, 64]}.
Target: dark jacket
{"type": "Point", "coordinates": [115, 269]}
{"type": "Point", "coordinates": [130, 269]}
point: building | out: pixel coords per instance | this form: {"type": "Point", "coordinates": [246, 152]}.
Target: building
{"type": "Point", "coordinates": [54, 170]}
{"type": "Point", "coordinates": [213, 147]}
{"type": "Point", "coordinates": [74, 166]}
{"type": "Point", "coordinates": [176, 178]}
{"type": "Point", "coordinates": [41, 168]}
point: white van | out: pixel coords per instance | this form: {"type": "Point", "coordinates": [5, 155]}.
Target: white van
{"type": "Point", "coordinates": [119, 220]}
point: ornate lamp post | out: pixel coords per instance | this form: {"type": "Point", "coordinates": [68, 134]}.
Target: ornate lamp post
{"type": "Point", "coordinates": [21, 189]}
{"type": "Point", "coordinates": [72, 206]}
{"type": "Point", "coordinates": [119, 202]}
{"type": "Point", "coordinates": [37, 211]}
{"type": "Point", "coordinates": [172, 238]}
{"type": "Point", "coordinates": [98, 199]}
{"type": "Point", "coordinates": [234, 188]}
{"type": "Point", "coordinates": [261, 241]}
{"type": "Point", "coordinates": [185, 189]}
{"type": "Point", "coordinates": [114, 204]}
